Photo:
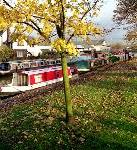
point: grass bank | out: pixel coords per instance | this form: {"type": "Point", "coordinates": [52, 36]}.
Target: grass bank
{"type": "Point", "coordinates": [105, 109]}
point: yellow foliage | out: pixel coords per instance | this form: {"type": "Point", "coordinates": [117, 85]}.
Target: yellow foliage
{"type": "Point", "coordinates": [45, 16]}
{"type": "Point", "coordinates": [62, 46]}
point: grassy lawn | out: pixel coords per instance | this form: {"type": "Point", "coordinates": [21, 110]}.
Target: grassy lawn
{"type": "Point", "coordinates": [105, 109]}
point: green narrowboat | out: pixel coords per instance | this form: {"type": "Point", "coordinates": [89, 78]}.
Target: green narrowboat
{"type": "Point", "coordinates": [85, 63]}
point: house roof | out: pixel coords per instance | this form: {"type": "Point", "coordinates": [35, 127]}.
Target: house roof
{"type": "Point", "coordinates": [89, 44]}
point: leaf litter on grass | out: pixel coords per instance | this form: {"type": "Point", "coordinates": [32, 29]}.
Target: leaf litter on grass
{"type": "Point", "coordinates": [104, 108]}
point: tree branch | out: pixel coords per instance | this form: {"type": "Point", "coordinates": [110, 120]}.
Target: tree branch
{"type": "Point", "coordinates": [4, 1]}
{"type": "Point", "coordinates": [60, 28]}
{"type": "Point", "coordinates": [89, 9]}
{"type": "Point", "coordinates": [28, 24]}
{"type": "Point", "coordinates": [62, 19]}
{"type": "Point", "coordinates": [35, 24]}
{"type": "Point", "coordinates": [39, 17]}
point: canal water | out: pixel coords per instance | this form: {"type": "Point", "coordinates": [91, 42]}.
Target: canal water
{"type": "Point", "coordinates": [5, 79]}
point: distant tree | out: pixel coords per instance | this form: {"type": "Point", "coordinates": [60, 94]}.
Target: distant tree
{"type": "Point", "coordinates": [132, 39]}
{"type": "Point", "coordinates": [126, 13]}
{"type": "Point", "coordinates": [117, 46]}
{"type": "Point", "coordinates": [5, 52]}
{"type": "Point", "coordinates": [48, 55]}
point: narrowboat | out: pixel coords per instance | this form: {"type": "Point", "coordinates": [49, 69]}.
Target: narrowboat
{"type": "Point", "coordinates": [32, 79]}
{"type": "Point", "coordinates": [85, 63]}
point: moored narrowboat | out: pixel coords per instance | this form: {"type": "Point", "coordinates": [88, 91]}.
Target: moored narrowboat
{"type": "Point", "coordinates": [86, 63]}
{"type": "Point", "coordinates": [29, 80]}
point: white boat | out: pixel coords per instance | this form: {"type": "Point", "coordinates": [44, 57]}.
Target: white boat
{"type": "Point", "coordinates": [29, 80]}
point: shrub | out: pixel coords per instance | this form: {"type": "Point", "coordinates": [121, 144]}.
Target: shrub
{"type": "Point", "coordinates": [5, 52]}
{"type": "Point", "coordinates": [114, 59]}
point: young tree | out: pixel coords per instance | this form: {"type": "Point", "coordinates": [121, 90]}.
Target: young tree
{"type": "Point", "coordinates": [56, 20]}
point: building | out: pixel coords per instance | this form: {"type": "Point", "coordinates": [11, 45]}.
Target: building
{"type": "Point", "coordinates": [24, 50]}
{"type": "Point", "coordinates": [101, 46]}
{"type": "Point", "coordinates": [97, 48]}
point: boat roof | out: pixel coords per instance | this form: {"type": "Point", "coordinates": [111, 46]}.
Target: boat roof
{"type": "Point", "coordinates": [82, 58]}
{"type": "Point", "coordinates": [39, 71]}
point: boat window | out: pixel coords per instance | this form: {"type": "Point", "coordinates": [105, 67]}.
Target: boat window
{"type": "Point", "coordinates": [33, 64]}
{"type": "Point", "coordinates": [42, 63]}
{"type": "Point", "coordinates": [58, 61]}
{"type": "Point", "coordinates": [45, 63]}
{"type": "Point", "coordinates": [5, 66]}
{"type": "Point", "coordinates": [26, 65]}
{"type": "Point", "coordinates": [50, 63]}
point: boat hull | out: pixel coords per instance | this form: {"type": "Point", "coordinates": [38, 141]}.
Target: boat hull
{"type": "Point", "coordinates": [5, 72]}
{"type": "Point", "coordinates": [15, 89]}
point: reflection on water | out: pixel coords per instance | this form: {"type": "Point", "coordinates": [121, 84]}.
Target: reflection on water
{"type": "Point", "coordinates": [5, 79]}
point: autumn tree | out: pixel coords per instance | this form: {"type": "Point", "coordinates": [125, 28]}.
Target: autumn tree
{"type": "Point", "coordinates": [132, 39]}
{"type": "Point", "coordinates": [56, 20]}
{"type": "Point", "coordinates": [126, 13]}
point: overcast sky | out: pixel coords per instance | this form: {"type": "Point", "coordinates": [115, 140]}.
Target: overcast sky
{"type": "Point", "coordinates": [105, 19]}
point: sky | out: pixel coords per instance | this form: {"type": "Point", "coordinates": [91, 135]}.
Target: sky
{"type": "Point", "coordinates": [105, 19]}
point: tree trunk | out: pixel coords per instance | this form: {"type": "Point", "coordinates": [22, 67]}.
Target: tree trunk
{"type": "Point", "coordinates": [69, 112]}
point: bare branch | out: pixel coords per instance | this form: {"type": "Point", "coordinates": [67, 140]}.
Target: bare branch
{"type": "Point", "coordinates": [35, 24]}
{"type": "Point", "coordinates": [4, 1]}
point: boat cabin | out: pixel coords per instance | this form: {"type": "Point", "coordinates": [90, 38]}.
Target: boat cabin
{"type": "Point", "coordinates": [26, 78]}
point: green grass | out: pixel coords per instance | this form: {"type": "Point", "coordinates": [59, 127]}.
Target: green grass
{"type": "Point", "coordinates": [105, 110]}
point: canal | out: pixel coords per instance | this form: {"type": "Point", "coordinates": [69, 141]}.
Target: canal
{"type": "Point", "coordinates": [5, 79]}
